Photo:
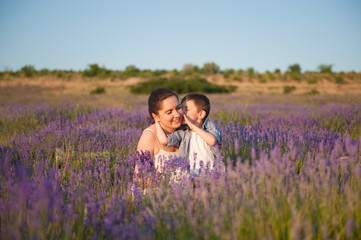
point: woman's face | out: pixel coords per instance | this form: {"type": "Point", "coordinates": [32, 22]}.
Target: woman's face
{"type": "Point", "coordinates": [169, 117]}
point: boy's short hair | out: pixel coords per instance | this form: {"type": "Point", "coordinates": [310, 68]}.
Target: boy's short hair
{"type": "Point", "coordinates": [201, 102]}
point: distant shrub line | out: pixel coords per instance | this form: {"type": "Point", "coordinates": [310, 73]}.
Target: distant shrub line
{"type": "Point", "coordinates": [181, 86]}
{"type": "Point", "coordinates": [94, 70]}
{"type": "Point", "coordinates": [191, 78]}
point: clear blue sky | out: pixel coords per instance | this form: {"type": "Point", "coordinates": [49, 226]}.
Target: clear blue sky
{"type": "Point", "coordinates": [262, 34]}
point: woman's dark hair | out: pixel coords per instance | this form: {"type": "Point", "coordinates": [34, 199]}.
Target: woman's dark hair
{"type": "Point", "coordinates": [156, 97]}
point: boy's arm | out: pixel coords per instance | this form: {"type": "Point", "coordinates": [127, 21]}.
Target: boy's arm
{"type": "Point", "coordinates": [213, 129]}
{"type": "Point", "coordinates": [174, 139]}
{"type": "Point", "coordinates": [168, 140]}
{"type": "Point", "coordinates": [162, 137]}
{"type": "Point", "coordinates": [209, 138]}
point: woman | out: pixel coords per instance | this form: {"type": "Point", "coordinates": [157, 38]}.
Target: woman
{"type": "Point", "coordinates": [163, 106]}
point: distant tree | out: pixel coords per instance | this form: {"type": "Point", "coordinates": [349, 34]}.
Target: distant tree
{"type": "Point", "coordinates": [261, 78]}
{"type": "Point", "coordinates": [44, 72]}
{"type": "Point", "coordinates": [277, 70]}
{"type": "Point", "coordinates": [92, 71]}
{"type": "Point", "coordinates": [228, 72]}
{"type": "Point", "coordinates": [210, 68]}
{"type": "Point", "coordinates": [95, 71]}
{"type": "Point", "coordinates": [28, 70]}
{"type": "Point", "coordinates": [175, 71]}
{"type": "Point", "coordinates": [270, 75]}
{"type": "Point", "coordinates": [295, 68]}
{"type": "Point", "coordinates": [250, 71]}
{"type": "Point", "coordinates": [131, 70]}
{"type": "Point", "coordinates": [325, 68]}
{"type": "Point", "coordinates": [188, 69]}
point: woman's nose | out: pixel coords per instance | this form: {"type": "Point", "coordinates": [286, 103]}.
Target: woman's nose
{"type": "Point", "coordinates": [177, 113]}
{"type": "Point", "coordinates": [180, 111]}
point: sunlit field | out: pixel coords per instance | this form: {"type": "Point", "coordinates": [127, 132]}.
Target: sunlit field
{"type": "Point", "coordinates": [282, 172]}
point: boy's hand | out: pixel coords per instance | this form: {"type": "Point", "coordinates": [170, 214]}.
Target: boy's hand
{"type": "Point", "coordinates": [206, 136]}
{"type": "Point", "coordinates": [189, 123]}
{"type": "Point", "coordinates": [162, 137]}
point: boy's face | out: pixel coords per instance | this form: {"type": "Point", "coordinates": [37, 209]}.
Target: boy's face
{"type": "Point", "coordinates": [190, 110]}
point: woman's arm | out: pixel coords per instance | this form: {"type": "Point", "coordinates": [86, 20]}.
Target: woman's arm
{"type": "Point", "coordinates": [162, 137]}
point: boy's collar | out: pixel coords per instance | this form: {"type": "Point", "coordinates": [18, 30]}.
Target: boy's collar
{"type": "Point", "coordinates": [183, 127]}
{"type": "Point", "coordinates": [204, 125]}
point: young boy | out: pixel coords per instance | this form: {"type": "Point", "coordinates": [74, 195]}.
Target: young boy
{"type": "Point", "coordinates": [197, 142]}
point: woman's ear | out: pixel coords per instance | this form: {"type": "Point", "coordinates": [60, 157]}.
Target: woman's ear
{"type": "Point", "coordinates": [155, 117]}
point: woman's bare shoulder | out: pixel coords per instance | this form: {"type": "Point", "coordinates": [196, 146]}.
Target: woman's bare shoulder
{"type": "Point", "coordinates": [147, 140]}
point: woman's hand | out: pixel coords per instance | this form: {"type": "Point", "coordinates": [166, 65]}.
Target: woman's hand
{"type": "Point", "coordinates": [162, 137]}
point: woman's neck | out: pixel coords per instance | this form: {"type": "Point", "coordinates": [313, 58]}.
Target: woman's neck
{"type": "Point", "coordinates": [167, 130]}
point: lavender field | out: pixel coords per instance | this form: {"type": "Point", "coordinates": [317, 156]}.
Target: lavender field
{"type": "Point", "coordinates": [283, 172]}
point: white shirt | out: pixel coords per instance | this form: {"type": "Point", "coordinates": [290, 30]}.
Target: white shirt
{"type": "Point", "coordinates": [199, 151]}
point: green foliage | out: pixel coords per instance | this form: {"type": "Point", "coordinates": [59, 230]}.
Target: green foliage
{"type": "Point", "coordinates": [295, 76]}
{"type": "Point", "coordinates": [188, 69]}
{"type": "Point", "coordinates": [113, 78]}
{"type": "Point", "coordinates": [147, 73]}
{"type": "Point", "coordinates": [98, 90]}
{"type": "Point", "coordinates": [288, 89]}
{"type": "Point", "coordinates": [313, 80]}
{"type": "Point", "coordinates": [175, 72]}
{"type": "Point", "coordinates": [313, 92]}
{"type": "Point", "coordinates": [261, 79]}
{"type": "Point", "coordinates": [95, 71]}
{"type": "Point", "coordinates": [158, 72]}
{"type": "Point", "coordinates": [131, 71]}
{"type": "Point", "coordinates": [277, 70]}
{"type": "Point", "coordinates": [228, 72]}
{"type": "Point", "coordinates": [238, 79]}
{"type": "Point", "coordinates": [294, 68]}
{"type": "Point", "coordinates": [59, 74]}
{"type": "Point", "coordinates": [270, 76]}
{"type": "Point", "coordinates": [28, 71]}
{"type": "Point", "coordinates": [181, 86]}
{"type": "Point", "coordinates": [11, 73]}
{"type": "Point", "coordinates": [340, 80]}
{"type": "Point", "coordinates": [44, 72]}
{"type": "Point", "coordinates": [250, 72]}
{"type": "Point", "coordinates": [210, 68]}
{"type": "Point", "coordinates": [325, 68]}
